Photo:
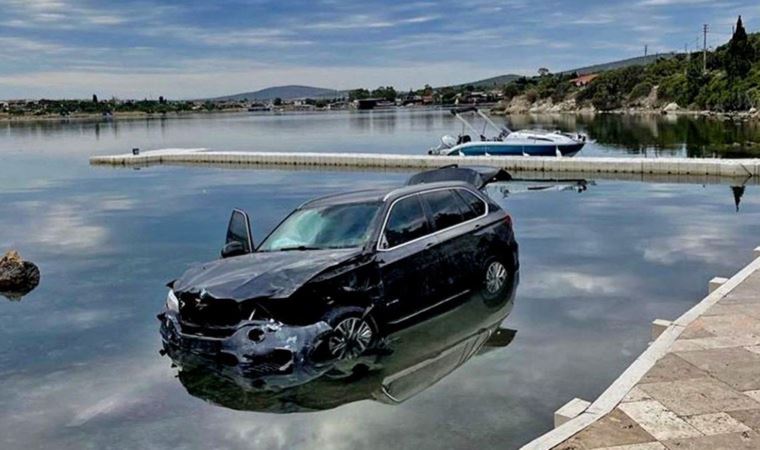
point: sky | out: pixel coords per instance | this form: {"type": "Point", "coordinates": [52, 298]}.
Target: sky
{"type": "Point", "coordinates": [195, 49]}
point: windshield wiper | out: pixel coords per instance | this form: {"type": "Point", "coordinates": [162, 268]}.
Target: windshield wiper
{"type": "Point", "coordinates": [298, 248]}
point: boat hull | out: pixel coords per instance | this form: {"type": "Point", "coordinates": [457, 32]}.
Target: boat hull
{"type": "Point", "coordinates": [515, 149]}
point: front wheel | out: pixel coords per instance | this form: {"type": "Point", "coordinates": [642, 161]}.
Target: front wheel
{"type": "Point", "coordinates": [353, 332]}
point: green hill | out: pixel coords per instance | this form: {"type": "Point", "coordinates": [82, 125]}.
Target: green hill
{"type": "Point", "coordinates": [637, 61]}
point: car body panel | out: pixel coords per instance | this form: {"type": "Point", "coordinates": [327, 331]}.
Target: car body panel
{"type": "Point", "coordinates": [260, 274]}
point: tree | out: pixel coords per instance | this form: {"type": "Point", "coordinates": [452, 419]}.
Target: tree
{"type": "Point", "coordinates": [358, 94]}
{"type": "Point", "coordinates": [161, 100]}
{"type": "Point", "coordinates": [386, 93]}
{"type": "Point", "coordinates": [277, 101]}
{"type": "Point", "coordinates": [543, 71]}
{"type": "Point", "coordinates": [740, 55]}
{"type": "Point", "coordinates": [94, 98]}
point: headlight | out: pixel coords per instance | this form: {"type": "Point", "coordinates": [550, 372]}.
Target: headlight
{"type": "Point", "coordinates": [172, 304]}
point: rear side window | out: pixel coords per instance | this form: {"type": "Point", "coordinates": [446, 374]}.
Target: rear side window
{"type": "Point", "coordinates": [446, 207]}
{"type": "Point", "coordinates": [476, 205]}
{"type": "Point", "coordinates": [406, 222]}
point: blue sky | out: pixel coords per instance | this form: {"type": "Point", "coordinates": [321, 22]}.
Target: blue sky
{"type": "Point", "coordinates": [146, 48]}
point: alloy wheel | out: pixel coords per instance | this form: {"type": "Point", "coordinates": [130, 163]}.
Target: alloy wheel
{"type": "Point", "coordinates": [496, 276]}
{"type": "Point", "coordinates": [350, 338]}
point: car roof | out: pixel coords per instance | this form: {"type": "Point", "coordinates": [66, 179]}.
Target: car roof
{"type": "Point", "coordinates": [380, 195]}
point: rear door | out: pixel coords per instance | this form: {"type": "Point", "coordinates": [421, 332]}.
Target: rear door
{"type": "Point", "coordinates": [407, 259]}
{"type": "Point", "coordinates": [451, 218]}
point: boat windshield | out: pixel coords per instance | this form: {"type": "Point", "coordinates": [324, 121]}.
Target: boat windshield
{"type": "Point", "coordinates": [324, 227]}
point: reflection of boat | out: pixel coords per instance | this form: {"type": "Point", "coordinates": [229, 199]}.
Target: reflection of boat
{"type": "Point", "coordinates": [409, 361]}
{"type": "Point", "coordinates": [507, 142]}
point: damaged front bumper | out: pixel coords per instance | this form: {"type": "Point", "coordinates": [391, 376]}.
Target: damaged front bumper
{"type": "Point", "coordinates": [256, 348]}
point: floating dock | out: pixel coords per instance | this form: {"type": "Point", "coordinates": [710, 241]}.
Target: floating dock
{"type": "Point", "coordinates": [588, 166]}
{"type": "Point", "coordinates": [697, 385]}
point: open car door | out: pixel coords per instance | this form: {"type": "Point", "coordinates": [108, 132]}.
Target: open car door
{"type": "Point", "coordinates": [239, 239]}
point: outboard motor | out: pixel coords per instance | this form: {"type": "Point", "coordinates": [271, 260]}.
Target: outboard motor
{"type": "Point", "coordinates": [448, 141]}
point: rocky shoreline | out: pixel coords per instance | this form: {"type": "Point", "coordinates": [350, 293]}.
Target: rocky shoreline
{"type": "Point", "coordinates": [522, 105]}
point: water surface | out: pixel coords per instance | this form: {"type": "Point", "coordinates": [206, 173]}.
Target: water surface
{"type": "Point", "coordinates": [79, 356]}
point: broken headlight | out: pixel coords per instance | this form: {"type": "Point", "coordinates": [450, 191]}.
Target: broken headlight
{"type": "Point", "coordinates": [172, 304]}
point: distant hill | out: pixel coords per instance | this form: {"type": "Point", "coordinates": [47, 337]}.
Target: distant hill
{"type": "Point", "coordinates": [492, 82]}
{"type": "Point", "coordinates": [638, 61]}
{"type": "Point", "coordinates": [501, 80]}
{"type": "Point", "coordinates": [291, 92]}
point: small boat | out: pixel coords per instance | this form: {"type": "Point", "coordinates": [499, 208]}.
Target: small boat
{"type": "Point", "coordinates": [507, 142]}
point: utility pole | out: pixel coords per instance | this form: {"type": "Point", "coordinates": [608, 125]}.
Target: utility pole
{"type": "Point", "coordinates": [704, 48]}
{"type": "Point", "coordinates": [646, 49]}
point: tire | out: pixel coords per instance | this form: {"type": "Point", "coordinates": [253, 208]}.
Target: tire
{"type": "Point", "coordinates": [495, 278]}
{"type": "Point", "coordinates": [353, 332]}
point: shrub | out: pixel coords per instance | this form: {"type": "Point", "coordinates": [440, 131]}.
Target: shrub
{"type": "Point", "coordinates": [606, 99]}
{"type": "Point", "coordinates": [675, 89]}
{"type": "Point", "coordinates": [641, 90]}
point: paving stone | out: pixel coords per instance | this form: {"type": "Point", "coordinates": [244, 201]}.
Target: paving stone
{"type": "Point", "coordinates": [754, 395]}
{"type": "Point", "coordinates": [614, 429]}
{"type": "Point", "coordinates": [647, 446]}
{"type": "Point", "coordinates": [716, 423]}
{"type": "Point", "coordinates": [724, 309]}
{"type": "Point", "coordinates": [753, 349]}
{"type": "Point", "coordinates": [658, 421]}
{"type": "Point", "coordinates": [751, 309]}
{"type": "Point", "coordinates": [693, 332]}
{"type": "Point", "coordinates": [698, 396]}
{"type": "Point", "coordinates": [737, 367]}
{"type": "Point", "coordinates": [671, 367]}
{"type": "Point", "coordinates": [685, 345]}
{"type": "Point", "coordinates": [747, 440]}
{"type": "Point", "coordinates": [636, 395]}
{"type": "Point", "coordinates": [724, 342]}
{"type": "Point", "coordinates": [749, 417]}
{"type": "Point", "coordinates": [731, 324]}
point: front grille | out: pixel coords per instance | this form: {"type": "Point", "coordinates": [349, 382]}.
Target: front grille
{"type": "Point", "coordinates": [208, 312]}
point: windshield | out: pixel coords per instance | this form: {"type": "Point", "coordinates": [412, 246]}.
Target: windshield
{"type": "Point", "coordinates": [334, 226]}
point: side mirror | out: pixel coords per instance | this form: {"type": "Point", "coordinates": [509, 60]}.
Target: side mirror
{"type": "Point", "coordinates": [233, 248]}
{"type": "Point", "coordinates": [239, 240]}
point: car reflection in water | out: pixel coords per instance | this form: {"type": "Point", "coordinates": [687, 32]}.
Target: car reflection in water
{"type": "Point", "coordinates": [405, 361]}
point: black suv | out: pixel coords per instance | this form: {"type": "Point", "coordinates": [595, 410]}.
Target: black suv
{"type": "Point", "coordinates": [340, 269]}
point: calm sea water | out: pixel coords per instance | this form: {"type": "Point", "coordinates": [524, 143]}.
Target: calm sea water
{"type": "Point", "coordinates": [79, 356]}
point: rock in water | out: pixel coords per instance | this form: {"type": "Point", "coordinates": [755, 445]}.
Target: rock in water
{"type": "Point", "coordinates": [17, 277]}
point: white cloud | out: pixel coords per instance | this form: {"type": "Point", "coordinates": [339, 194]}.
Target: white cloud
{"type": "Point", "coordinates": [207, 78]}
{"type": "Point", "coordinates": [363, 21]}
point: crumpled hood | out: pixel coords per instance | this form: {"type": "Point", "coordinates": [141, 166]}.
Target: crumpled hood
{"type": "Point", "coordinates": [265, 274]}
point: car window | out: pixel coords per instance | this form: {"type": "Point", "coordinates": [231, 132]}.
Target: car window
{"type": "Point", "coordinates": [446, 207]}
{"type": "Point", "coordinates": [333, 226]}
{"type": "Point", "coordinates": [477, 207]}
{"type": "Point", "coordinates": [406, 222]}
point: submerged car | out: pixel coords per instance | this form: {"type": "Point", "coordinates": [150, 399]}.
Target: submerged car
{"type": "Point", "coordinates": [340, 269]}
{"type": "Point", "coordinates": [403, 364]}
